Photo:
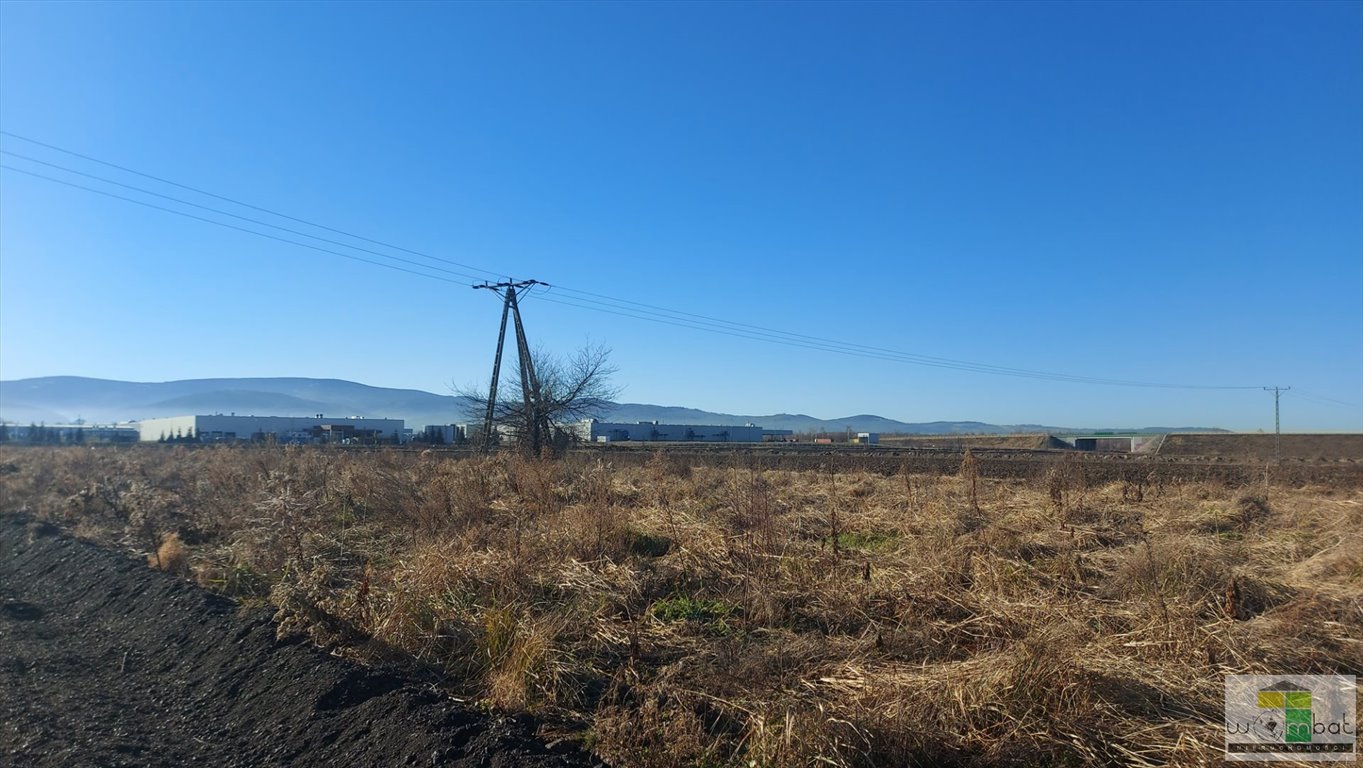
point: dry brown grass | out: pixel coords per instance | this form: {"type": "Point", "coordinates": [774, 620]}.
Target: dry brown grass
{"type": "Point", "coordinates": [171, 556]}
{"type": "Point", "coordinates": [674, 614]}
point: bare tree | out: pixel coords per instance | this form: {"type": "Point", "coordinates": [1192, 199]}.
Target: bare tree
{"type": "Point", "coordinates": [570, 390]}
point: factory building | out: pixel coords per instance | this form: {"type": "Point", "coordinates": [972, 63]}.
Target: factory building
{"type": "Point", "coordinates": [595, 431]}
{"type": "Point", "coordinates": [284, 429]}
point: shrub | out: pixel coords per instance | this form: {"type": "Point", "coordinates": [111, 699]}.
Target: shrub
{"type": "Point", "coordinates": [171, 556]}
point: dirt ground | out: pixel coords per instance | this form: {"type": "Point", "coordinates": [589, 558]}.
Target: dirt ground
{"type": "Point", "coordinates": [104, 662]}
{"type": "Point", "coordinates": [1262, 447]}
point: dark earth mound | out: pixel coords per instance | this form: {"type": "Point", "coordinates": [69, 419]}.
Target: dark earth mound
{"type": "Point", "coordinates": [1265, 447]}
{"type": "Point", "coordinates": [104, 662]}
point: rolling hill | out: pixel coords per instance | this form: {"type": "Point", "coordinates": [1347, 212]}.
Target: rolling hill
{"type": "Point", "coordinates": [63, 399]}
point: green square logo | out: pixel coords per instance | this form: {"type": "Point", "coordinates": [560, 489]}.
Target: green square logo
{"type": "Point", "coordinates": [1298, 700]}
{"type": "Point", "coordinates": [1298, 716]}
{"type": "Point", "coordinates": [1298, 726]}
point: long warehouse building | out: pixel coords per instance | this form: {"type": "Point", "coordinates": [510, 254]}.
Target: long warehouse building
{"type": "Point", "coordinates": [299, 429]}
{"type": "Point", "coordinates": [595, 431]}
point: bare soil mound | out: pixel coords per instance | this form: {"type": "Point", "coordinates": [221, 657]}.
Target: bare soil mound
{"type": "Point", "coordinates": [104, 662]}
{"type": "Point", "coordinates": [1263, 447]}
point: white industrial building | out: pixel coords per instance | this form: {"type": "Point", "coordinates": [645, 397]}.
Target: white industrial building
{"type": "Point", "coordinates": [299, 429]}
{"type": "Point", "coordinates": [651, 431]}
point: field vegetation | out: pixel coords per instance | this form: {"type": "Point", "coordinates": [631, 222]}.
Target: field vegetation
{"type": "Point", "coordinates": [669, 614]}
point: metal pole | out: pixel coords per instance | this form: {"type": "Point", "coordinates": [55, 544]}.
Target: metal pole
{"type": "Point", "coordinates": [1277, 422]}
{"type": "Point", "coordinates": [496, 373]}
{"type": "Point", "coordinates": [529, 383]}
{"type": "Point", "coordinates": [1277, 427]}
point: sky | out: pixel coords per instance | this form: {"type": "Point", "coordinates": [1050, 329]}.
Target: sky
{"type": "Point", "coordinates": [1156, 193]}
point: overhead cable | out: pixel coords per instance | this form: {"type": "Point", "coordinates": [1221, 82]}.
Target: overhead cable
{"type": "Point", "coordinates": [228, 226]}
{"type": "Point", "coordinates": [578, 298]}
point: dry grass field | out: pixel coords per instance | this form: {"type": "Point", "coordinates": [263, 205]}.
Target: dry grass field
{"type": "Point", "coordinates": [670, 614]}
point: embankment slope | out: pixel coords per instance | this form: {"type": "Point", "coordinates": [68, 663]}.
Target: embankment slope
{"type": "Point", "coordinates": [104, 662]}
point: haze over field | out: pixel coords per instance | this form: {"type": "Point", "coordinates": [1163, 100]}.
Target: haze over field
{"type": "Point", "coordinates": [1063, 213]}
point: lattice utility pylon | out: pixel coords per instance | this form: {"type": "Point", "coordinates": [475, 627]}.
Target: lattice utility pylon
{"type": "Point", "coordinates": [536, 420]}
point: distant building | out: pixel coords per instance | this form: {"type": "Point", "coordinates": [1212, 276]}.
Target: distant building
{"type": "Point", "coordinates": [444, 434]}
{"type": "Point", "coordinates": [290, 429]}
{"type": "Point", "coordinates": [778, 435]}
{"type": "Point", "coordinates": [1113, 442]}
{"type": "Point", "coordinates": [68, 433]}
{"type": "Point", "coordinates": [1107, 442]}
{"type": "Point", "coordinates": [867, 438]}
{"type": "Point", "coordinates": [595, 431]}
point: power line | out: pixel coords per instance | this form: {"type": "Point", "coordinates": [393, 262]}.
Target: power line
{"type": "Point", "coordinates": [874, 353]}
{"type": "Point", "coordinates": [222, 212]}
{"type": "Point", "coordinates": [581, 299]}
{"type": "Point", "coordinates": [228, 226]}
{"type": "Point", "coordinates": [817, 342]}
{"type": "Point", "coordinates": [850, 350]}
{"type": "Point", "coordinates": [1323, 400]}
{"type": "Point", "coordinates": [224, 198]}
{"type": "Point", "coordinates": [663, 315]}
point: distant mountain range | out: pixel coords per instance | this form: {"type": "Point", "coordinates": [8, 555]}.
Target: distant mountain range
{"type": "Point", "coordinates": [64, 399]}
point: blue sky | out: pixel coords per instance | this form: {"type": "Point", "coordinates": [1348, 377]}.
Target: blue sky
{"type": "Point", "coordinates": [1166, 193]}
